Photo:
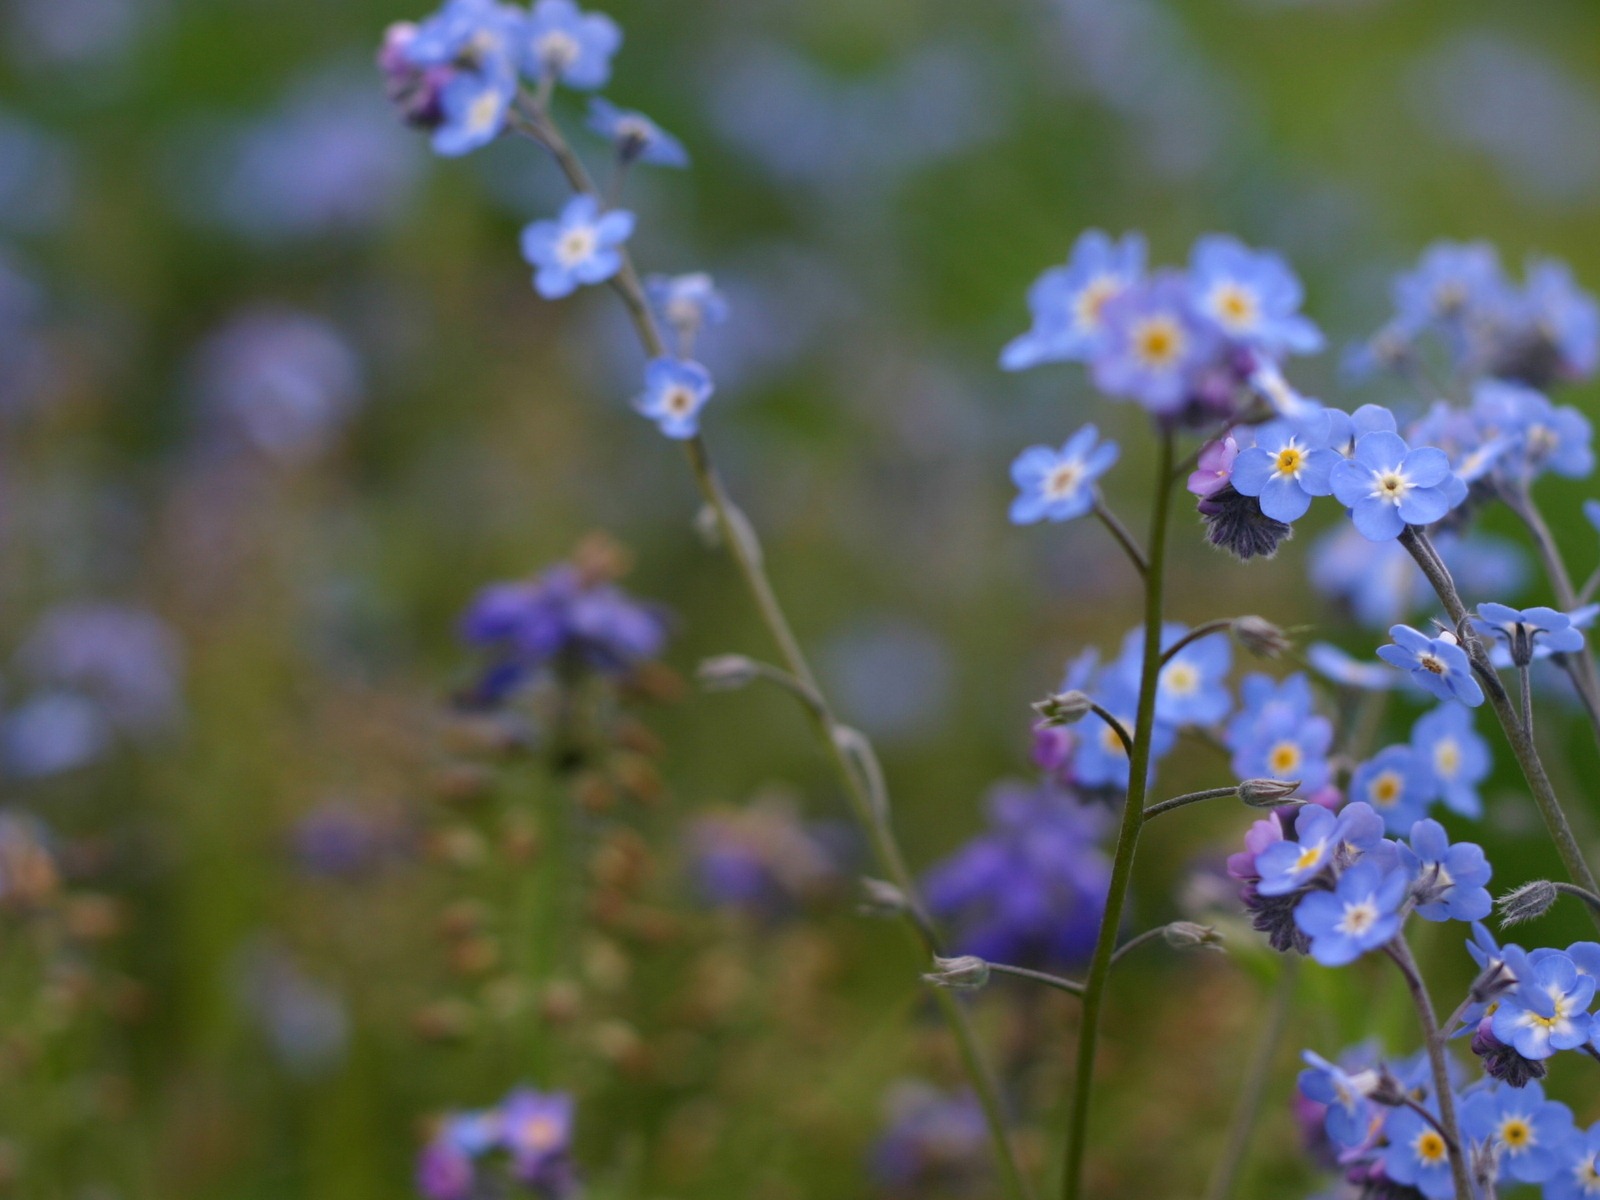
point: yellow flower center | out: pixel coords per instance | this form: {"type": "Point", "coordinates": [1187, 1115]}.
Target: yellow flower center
{"type": "Point", "coordinates": [1092, 300]}
{"type": "Point", "coordinates": [1158, 342]}
{"type": "Point", "coordinates": [1385, 791]}
{"type": "Point", "coordinates": [1233, 306]}
{"type": "Point", "coordinates": [1181, 679]}
{"type": "Point", "coordinates": [1516, 1134]}
{"type": "Point", "coordinates": [1429, 1147]}
{"type": "Point", "coordinates": [1283, 759]}
{"type": "Point", "coordinates": [1290, 460]}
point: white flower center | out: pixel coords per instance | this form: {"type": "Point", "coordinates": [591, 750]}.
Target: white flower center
{"type": "Point", "coordinates": [1283, 758]}
{"type": "Point", "coordinates": [1587, 1176]}
{"type": "Point", "coordinates": [1358, 918]}
{"type": "Point", "coordinates": [558, 50]}
{"type": "Point", "coordinates": [1446, 758]}
{"type": "Point", "coordinates": [1064, 480]}
{"type": "Point", "coordinates": [483, 113]}
{"type": "Point", "coordinates": [679, 400]}
{"type": "Point", "coordinates": [1390, 486]}
{"type": "Point", "coordinates": [1091, 301]}
{"type": "Point", "coordinates": [576, 245]}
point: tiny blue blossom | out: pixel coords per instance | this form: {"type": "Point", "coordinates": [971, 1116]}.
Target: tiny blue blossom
{"type": "Point", "coordinates": [579, 247]}
{"type": "Point", "coordinates": [1398, 785]}
{"type": "Point", "coordinates": [1449, 879]}
{"type": "Point", "coordinates": [474, 106]}
{"type": "Point", "coordinates": [463, 71]}
{"type": "Point", "coordinates": [636, 137]}
{"type": "Point", "coordinates": [1577, 1172]}
{"type": "Point", "coordinates": [1350, 1112]}
{"type": "Point", "coordinates": [567, 45]}
{"type": "Point", "coordinates": [1438, 664]}
{"type": "Point", "coordinates": [1068, 302]}
{"type": "Point", "coordinates": [1099, 760]}
{"type": "Point", "coordinates": [1058, 485]}
{"type": "Point", "coordinates": [1276, 735]}
{"type": "Point", "coordinates": [1450, 282]}
{"type": "Point", "coordinates": [1192, 687]}
{"type": "Point", "coordinates": [1417, 1155]}
{"type": "Point", "coordinates": [1548, 1010]}
{"type": "Point", "coordinates": [1528, 633]}
{"type": "Point", "coordinates": [1154, 343]}
{"type": "Point", "coordinates": [1564, 316]}
{"type": "Point", "coordinates": [688, 303]}
{"type": "Point", "coordinates": [1322, 838]}
{"type": "Point", "coordinates": [1360, 914]}
{"type": "Point", "coordinates": [1456, 755]}
{"type": "Point", "coordinates": [1525, 1130]}
{"type": "Point", "coordinates": [1251, 295]}
{"type": "Point", "coordinates": [1284, 469]}
{"type": "Point", "coordinates": [1387, 485]}
{"type": "Point", "coordinates": [1534, 435]}
{"type": "Point", "coordinates": [674, 393]}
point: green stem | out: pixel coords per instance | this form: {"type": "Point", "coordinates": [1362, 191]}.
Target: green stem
{"type": "Point", "coordinates": [1127, 834]}
{"type": "Point", "coordinates": [1253, 1089]}
{"type": "Point", "coordinates": [1523, 748]}
{"type": "Point", "coordinates": [1155, 810]}
{"type": "Point", "coordinates": [1071, 986]}
{"type": "Point", "coordinates": [1220, 625]}
{"type": "Point", "coordinates": [1400, 951]}
{"type": "Point", "coordinates": [740, 539]}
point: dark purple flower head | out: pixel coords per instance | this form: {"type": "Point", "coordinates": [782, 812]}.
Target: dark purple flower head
{"type": "Point", "coordinates": [1031, 889]}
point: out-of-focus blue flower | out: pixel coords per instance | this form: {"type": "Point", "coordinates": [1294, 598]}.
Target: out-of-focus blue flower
{"type": "Point", "coordinates": [1350, 1113]}
{"type": "Point", "coordinates": [1381, 584]}
{"type": "Point", "coordinates": [760, 859]}
{"type": "Point", "coordinates": [1438, 664]}
{"type": "Point", "coordinates": [284, 382]}
{"type": "Point", "coordinates": [1387, 485]}
{"type": "Point", "coordinates": [1522, 1127]}
{"type": "Point", "coordinates": [936, 1142]}
{"type": "Point", "coordinates": [1563, 322]}
{"type": "Point", "coordinates": [1276, 735]}
{"type": "Point", "coordinates": [536, 1129]}
{"type": "Point", "coordinates": [1252, 296]}
{"type": "Point", "coordinates": [529, 1131]}
{"type": "Point", "coordinates": [1058, 485]}
{"type": "Point", "coordinates": [686, 303]}
{"type": "Point", "coordinates": [456, 72]}
{"type": "Point", "coordinates": [1031, 889]}
{"type": "Point", "coordinates": [1360, 914]}
{"type": "Point", "coordinates": [342, 840]}
{"type": "Point", "coordinates": [53, 732]}
{"type": "Point", "coordinates": [1192, 688]}
{"type": "Point", "coordinates": [1458, 758]}
{"type": "Point", "coordinates": [1534, 435]}
{"type": "Point", "coordinates": [1154, 343]}
{"type": "Point", "coordinates": [562, 617]}
{"type": "Point", "coordinates": [579, 247]}
{"type": "Point", "coordinates": [674, 393]}
{"type": "Point", "coordinates": [1450, 283]}
{"type": "Point", "coordinates": [636, 137]}
{"type": "Point", "coordinates": [1577, 1172]}
{"type": "Point", "coordinates": [1321, 840]}
{"type": "Point", "coordinates": [1528, 631]}
{"type": "Point", "coordinates": [1284, 470]}
{"type": "Point", "coordinates": [1068, 303]}
{"type": "Point", "coordinates": [1449, 880]}
{"type": "Point", "coordinates": [1100, 760]}
{"type": "Point", "coordinates": [566, 44]}
{"type": "Point", "coordinates": [1398, 785]}
{"type": "Point", "coordinates": [1333, 663]}
{"type": "Point", "coordinates": [1549, 1008]}
{"type": "Point", "coordinates": [1417, 1155]}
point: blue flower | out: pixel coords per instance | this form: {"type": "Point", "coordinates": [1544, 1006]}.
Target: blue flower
{"type": "Point", "coordinates": [567, 45]}
{"type": "Point", "coordinates": [1459, 759]}
{"type": "Point", "coordinates": [1067, 302]}
{"type": "Point", "coordinates": [1192, 687]}
{"type": "Point", "coordinates": [674, 393]}
{"type": "Point", "coordinates": [1360, 914]}
{"type": "Point", "coordinates": [1534, 435]}
{"type": "Point", "coordinates": [537, 1132]}
{"type": "Point", "coordinates": [1251, 295]}
{"type": "Point", "coordinates": [463, 73]}
{"type": "Point", "coordinates": [1333, 663]}
{"type": "Point", "coordinates": [1100, 760]}
{"type": "Point", "coordinates": [1153, 345]}
{"type": "Point", "coordinates": [636, 137]}
{"type": "Point", "coordinates": [1323, 840]}
{"type": "Point", "coordinates": [1450, 282]}
{"type": "Point", "coordinates": [1548, 1010]}
{"type": "Point", "coordinates": [1350, 1113]}
{"type": "Point", "coordinates": [1449, 879]}
{"type": "Point", "coordinates": [1577, 1172]}
{"type": "Point", "coordinates": [1438, 664]}
{"type": "Point", "coordinates": [475, 34]}
{"type": "Point", "coordinates": [1564, 317]}
{"type": "Point", "coordinates": [580, 247]}
{"type": "Point", "coordinates": [1387, 485]}
{"type": "Point", "coordinates": [1398, 785]}
{"type": "Point", "coordinates": [1285, 469]}
{"type": "Point", "coordinates": [1529, 633]}
{"type": "Point", "coordinates": [1417, 1154]}
{"type": "Point", "coordinates": [474, 107]}
{"type": "Point", "coordinates": [1276, 735]}
{"type": "Point", "coordinates": [688, 303]}
{"type": "Point", "coordinates": [1058, 485]}
{"type": "Point", "coordinates": [1527, 1131]}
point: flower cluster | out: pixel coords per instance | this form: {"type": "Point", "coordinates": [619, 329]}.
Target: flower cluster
{"type": "Point", "coordinates": [524, 1142]}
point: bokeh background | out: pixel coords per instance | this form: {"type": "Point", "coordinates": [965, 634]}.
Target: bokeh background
{"type": "Point", "coordinates": [276, 399]}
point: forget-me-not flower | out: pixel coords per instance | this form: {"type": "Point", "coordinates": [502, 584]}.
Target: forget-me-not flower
{"type": "Point", "coordinates": [1417, 1155]}
{"type": "Point", "coordinates": [580, 247]}
{"type": "Point", "coordinates": [1321, 840]}
{"type": "Point", "coordinates": [1360, 914]}
{"type": "Point", "coordinates": [1284, 470]}
{"type": "Point", "coordinates": [1525, 1130]}
{"type": "Point", "coordinates": [1251, 295]}
{"type": "Point", "coordinates": [675, 391]}
{"type": "Point", "coordinates": [1456, 755]}
{"type": "Point", "coordinates": [1276, 735]}
{"type": "Point", "coordinates": [1058, 485]}
{"type": "Point", "coordinates": [1068, 302]}
{"type": "Point", "coordinates": [1449, 879]}
{"type": "Point", "coordinates": [1387, 485]}
{"type": "Point", "coordinates": [1154, 341]}
{"type": "Point", "coordinates": [567, 45]}
{"type": "Point", "coordinates": [1192, 687]}
{"type": "Point", "coordinates": [1528, 631]}
{"type": "Point", "coordinates": [1577, 1172]}
{"type": "Point", "coordinates": [1438, 664]}
{"type": "Point", "coordinates": [636, 137]}
{"type": "Point", "coordinates": [1350, 1112]}
{"type": "Point", "coordinates": [1548, 1010]}
{"type": "Point", "coordinates": [1398, 785]}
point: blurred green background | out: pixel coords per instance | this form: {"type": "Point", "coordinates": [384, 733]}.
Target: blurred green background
{"type": "Point", "coordinates": [875, 183]}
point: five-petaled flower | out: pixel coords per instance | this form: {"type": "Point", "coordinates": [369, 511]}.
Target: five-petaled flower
{"type": "Point", "coordinates": [674, 393]}
{"type": "Point", "coordinates": [1529, 633]}
{"type": "Point", "coordinates": [567, 45]}
{"type": "Point", "coordinates": [1068, 302]}
{"type": "Point", "coordinates": [1398, 785]}
{"type": "Point", "coordinates": [1284, 469]}
{"type": "Point", "coordinates": [581, 246]}
{"type": "Point", "coordinates": [1350, 1112]}
{"type": "Point", "coordinates": [1058, 485]}
{"type": "Point", "coordinates": [1449, 880]}
{"type": "Point", "coordinates": [1439, 664]}
{"type": "Point", "coordinates": [1549, 1009]}
{"type": "Point", "coordinates": [1360, 914]}
{"type": "Point", "coordinates": [1251, 295]}
{"type": "Point", "coordinates": [1521, 1127]}
{"type": "Point", "coordinates": [1386, 485]}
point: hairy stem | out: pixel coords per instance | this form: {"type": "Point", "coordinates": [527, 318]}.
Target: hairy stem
{"type": "Point", "coordinates": [1127, 834]}
{"type": "Point", "coordinates": [1155, 810]}
{"type": "Point", "coordinates": [531, 118]}
{"type": "Point", "coordinates": [1253, 1089]}
{"type": "Point", "coordinates": [1205, 629]}
{"type": "Point", "coordinates": [1054, 981]}
{"type": "Point", "coordinates": [1119, 531]}
{"type": "Point", "coordinates": [1400, 951]}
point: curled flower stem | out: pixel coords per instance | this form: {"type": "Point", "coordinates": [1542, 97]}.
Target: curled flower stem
{"type": "Point", "coordinates": [847, 749]}
{"type": "Point", "coordinates": [1206, 629]}
{"type": "Point", "coordinates": [1119, 531]}
{"type": "Point", "coordinates": [1400, 951]}
{"type": "Point", "coordinates": [1115, 726]}
{"type": "Point", "coordinates": [1155, 810]}
{"type": "Point", "coordinates": [1416, 541]}
{"type": "Point", "coordinates": [1137, 940]}
{"type": "Point", "coordinates": [1055, 981]}
{"type": "Point", "coordinates": [1572, 889]}
{"type": "Point", "coordinates": [1253, 1089]}
{"type": "Point", "coordinates": [1127, 833]}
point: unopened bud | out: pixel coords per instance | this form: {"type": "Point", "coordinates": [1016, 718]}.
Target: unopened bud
{"type": "Point", "coordinates": [728, 672]}
{"type": "Point", "coordinates": [1527, 902]}
{"type": "Point", "coordinates": [1382, 1087]}
{"type": "Point", "coordinates": [880, 898]}
{"type": "Point", "coordinates": [966, 973]}
{"type": "Point", "coordinates": [1187, 935]}
{"type": "Point", "coordinates": [1063, 708]}
{"type": "Point", "coordinates": [1267, 793]}
{"type": "Point", "coordinates": [1260, 637]}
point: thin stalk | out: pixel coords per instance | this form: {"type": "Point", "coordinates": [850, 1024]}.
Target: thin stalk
{"type": "Point", "coordinates": [1205, 629]}
{"type": "Point", "coordinates": [1253, 1089]}
{"type": "Point", "coordinates": [1525, 693]}
{"type": "Point", "coordinates": [1155, 810]}
{"type": "Point", "coordinates": [1137, 940]}
{"type": "Point", "coordinates": [1572, 889]}
{"type": "Point", "coordinates": [1115, 726]}
{"type": "Point", "coordinates": [1119, 531]}
{"type": "Point", "coordinates": [1054, 981]}
{"type": "Point", "coordinates": [1127, 834]}
{"type": "Point", "coordinates": [1416, 541]}
{"type": "Point", "coordinates": [740, 539]}
{"type": "Point", "coordinates": [1400, 952]}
